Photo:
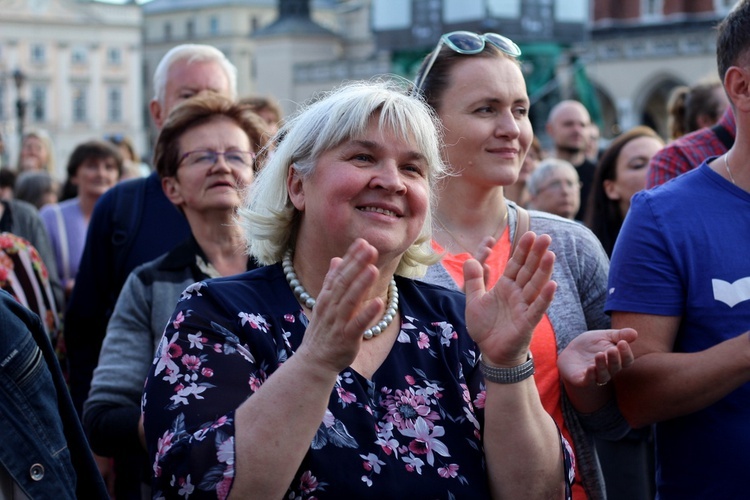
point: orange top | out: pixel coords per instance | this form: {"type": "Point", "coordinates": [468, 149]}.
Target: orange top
{"type": "Point", "coordinates": [543, 344]}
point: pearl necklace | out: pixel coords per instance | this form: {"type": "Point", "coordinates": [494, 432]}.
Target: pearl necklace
{"type": "Point", "coordinates": [309, 301]}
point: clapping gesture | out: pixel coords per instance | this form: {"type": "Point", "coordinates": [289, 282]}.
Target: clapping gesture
{"type": "Point", "coordinates": [501, 320]}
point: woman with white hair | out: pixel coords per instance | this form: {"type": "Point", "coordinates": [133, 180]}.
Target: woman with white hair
{"type": "Point", "coordinates": [329, 372]}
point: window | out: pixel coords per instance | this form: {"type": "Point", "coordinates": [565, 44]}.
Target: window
{"type": "Point", "coordinates": [79, 104]}
{"type": "Point", "coordinates": [114, 56]}
{"type": "Point", "coordinates": [253, 24]}
{"type": "Point", "coordinates": [114, 104]}
{"type": "Point", "coordinates": [190, 28]}
{"type": "Point", "coordinates": [38, 55]}
{"type": "Point", "coordinates": [38, 103]}
{"type": "Point", "coordinates": [78, 55]}
{"type": "Point", "coordinates": [167, 31]}
{"type": "Point", "coordinates": [651, 9]}
{"type": "Point", "coordinates": [213, 25]}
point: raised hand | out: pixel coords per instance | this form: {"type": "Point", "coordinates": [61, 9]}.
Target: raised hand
{"type": "Point", "coordinates": [502, 319]}
{"type": "Point", "coordinates": [343, 311]}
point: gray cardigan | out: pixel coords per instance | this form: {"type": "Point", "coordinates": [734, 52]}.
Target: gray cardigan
{"type": "Point", "coordinates": [580, 270]}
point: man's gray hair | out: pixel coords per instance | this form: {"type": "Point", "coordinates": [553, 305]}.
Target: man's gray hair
{"type": "Point", "coordinates": [192, 53]}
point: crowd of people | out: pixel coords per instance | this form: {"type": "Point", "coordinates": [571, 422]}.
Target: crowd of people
{"type": "Point", "coordinates": [396, 292]}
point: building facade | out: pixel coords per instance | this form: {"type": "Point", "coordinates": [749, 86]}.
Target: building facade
{"type": "Point", "coordinates": [639, 51]}
{"type": "Point", "coordinates": [81, 63]}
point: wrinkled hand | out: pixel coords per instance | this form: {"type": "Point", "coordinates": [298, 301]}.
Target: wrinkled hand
{"type": "Point", "coordinates": [502, 319]}
{"type": "Point", "coordinates": [342, 310]}
{"type": "Point", "coordinates": [594, 357]}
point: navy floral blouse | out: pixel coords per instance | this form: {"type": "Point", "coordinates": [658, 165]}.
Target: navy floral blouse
{"type": "Point", "coordinates": [414, 430]}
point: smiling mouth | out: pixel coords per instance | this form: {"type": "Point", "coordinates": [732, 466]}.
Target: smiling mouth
{"type": "Point", "coordinates": [379, 211]}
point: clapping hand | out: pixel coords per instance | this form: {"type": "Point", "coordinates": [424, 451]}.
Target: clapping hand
{"type": "Point", "coordinates": [501, 320]}
{"type": "Point", "coordinates": [594, 357]}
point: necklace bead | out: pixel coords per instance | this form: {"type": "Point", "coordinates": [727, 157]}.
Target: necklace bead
{"type": "Point", "coordinates": [309, 301]}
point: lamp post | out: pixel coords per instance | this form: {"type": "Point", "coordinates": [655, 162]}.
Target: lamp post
{"type": "Point", "coordinates": [19, 77]}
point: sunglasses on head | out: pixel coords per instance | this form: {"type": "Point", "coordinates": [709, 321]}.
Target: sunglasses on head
{"type": "Point", "coordinates": [467, 43]}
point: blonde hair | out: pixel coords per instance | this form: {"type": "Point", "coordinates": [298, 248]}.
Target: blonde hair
{"type": "Point", "coordinates": [271, 222]}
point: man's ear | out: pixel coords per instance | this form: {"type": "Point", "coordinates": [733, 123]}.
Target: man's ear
{"type": "Point", "coordinates": [610, 189]}
{"type": "Point", "coordinates": [295, 187]}
{"type": "Point", "coordinates": [171, 188]}
{"type": "Point", "coordinates": [156, 113]}
{"type": "Point", "coordinates": [737, 86]}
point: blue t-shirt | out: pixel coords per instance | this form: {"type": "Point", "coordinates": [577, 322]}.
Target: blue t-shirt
{"type": "Point", "coordinates": [683, 251]}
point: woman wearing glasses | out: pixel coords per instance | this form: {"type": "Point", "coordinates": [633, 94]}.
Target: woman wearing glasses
{"type": "Point", "coordinates": [475, 85]}
{"type": "Point", "coordinates": [205, 157]}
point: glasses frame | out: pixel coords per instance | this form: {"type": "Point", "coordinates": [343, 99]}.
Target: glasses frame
{"type": "Point", "coordinates": [503, 43]}
{"type": "Point", "coordinates": [218, 154]}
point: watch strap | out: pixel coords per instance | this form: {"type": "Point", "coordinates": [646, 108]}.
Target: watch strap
{"type": "Point", "coordinates": [512, 375]}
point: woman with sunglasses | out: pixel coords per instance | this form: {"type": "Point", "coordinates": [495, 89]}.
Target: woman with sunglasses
{"type": "Point", "coordinates": [205, 156]}
{"type": "Point", "coordinates": [475, 85]}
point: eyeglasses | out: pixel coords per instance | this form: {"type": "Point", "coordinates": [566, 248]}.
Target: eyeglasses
{"type": "Point", "coordinates": [206, 158]}
{"type": "Point", "coordinates": [468, 43]}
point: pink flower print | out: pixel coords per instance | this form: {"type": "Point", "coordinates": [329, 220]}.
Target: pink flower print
{"type": "Point", "coordinates": [174, 351]}
{"type": "Point", "coordinates": [256, 321]}
{"type": "Point", "coordinates": [404, 407]}
{"type": "Point", "coordinates": [308, 483]}
{"type": "Point", "coordinates": [424, 341]}
{"type": "Point", "coordinates": [410, 380]}
{"type": "Point", "coordinates": [192, 363]}
{"type": "Point", "coordinates": [345, 396]}
{"type": "Point", "coordinates": [413, 463]}
{"type": "Point", "coordinates": [255, 383]}
{"type": "Point", "coordinates": [207, 372]}
{"type": "Point", "coordinates": [480, 400]}
{"type": "Point", "coordinates": [448, 472]}
{"type": "Point", "coordinates": [178, 320]}
{"type": "Point", "coordinates": [222, 489]}
{"type": "Point", "coordinates": [425, 442]}
{"type": "Point", "coordinates": [163, 444]}
{"type": "Point", "coordinates": [218, 348]}
{"type": "Point", "coordinates": [196, 340]}
{"type": "Point", "coordinates": [289, 318]}
{"type": "Point", "coordinates": [164, 356]}
{"type": "Point", "coordinates": [186, 488]}
{"type": "Point", "coordinates": [371, 463]}
{"type": "Point", "coordinates": [225, 453]}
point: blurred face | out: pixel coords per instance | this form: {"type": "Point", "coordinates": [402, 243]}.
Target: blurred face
{"type": "Point", "coordinates": [34, 155]}
{"type": "Point", "coordinates": [185, 80]}
{"type": "Point", "coordinates": [560, 193]}
{"type": "Point", "coordinates": [95, 176]}
{"type": "Point", "coordinates": [202, 185]}
{"type": "Point", "coordinates": [529, 164]}
{"type": "Point", "coordinates": [485, 113]}
{"type": "Point", "coordinates": [631, 170]}
{"type": "Point", "coordinates": [373, 187]}
{"type": "Point", "coordinates": [569, 127]}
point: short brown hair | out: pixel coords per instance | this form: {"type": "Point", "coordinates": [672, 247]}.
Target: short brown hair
{"type": "Point", "coordinates": [197, 111]}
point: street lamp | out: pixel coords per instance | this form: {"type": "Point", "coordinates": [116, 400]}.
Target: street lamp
{"type": "Point", "coordinates": [20, 79]}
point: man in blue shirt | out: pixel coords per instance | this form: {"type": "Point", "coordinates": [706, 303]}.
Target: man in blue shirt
{"type": "Point", "coordinates": [680, 276]}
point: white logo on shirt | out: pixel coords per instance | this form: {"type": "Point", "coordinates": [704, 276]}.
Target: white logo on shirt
{"type": "Point", "coordinates": [731, 293]}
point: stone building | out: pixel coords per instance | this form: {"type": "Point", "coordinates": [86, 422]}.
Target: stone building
{"type": "Point", "coordinates": [81, 63]}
